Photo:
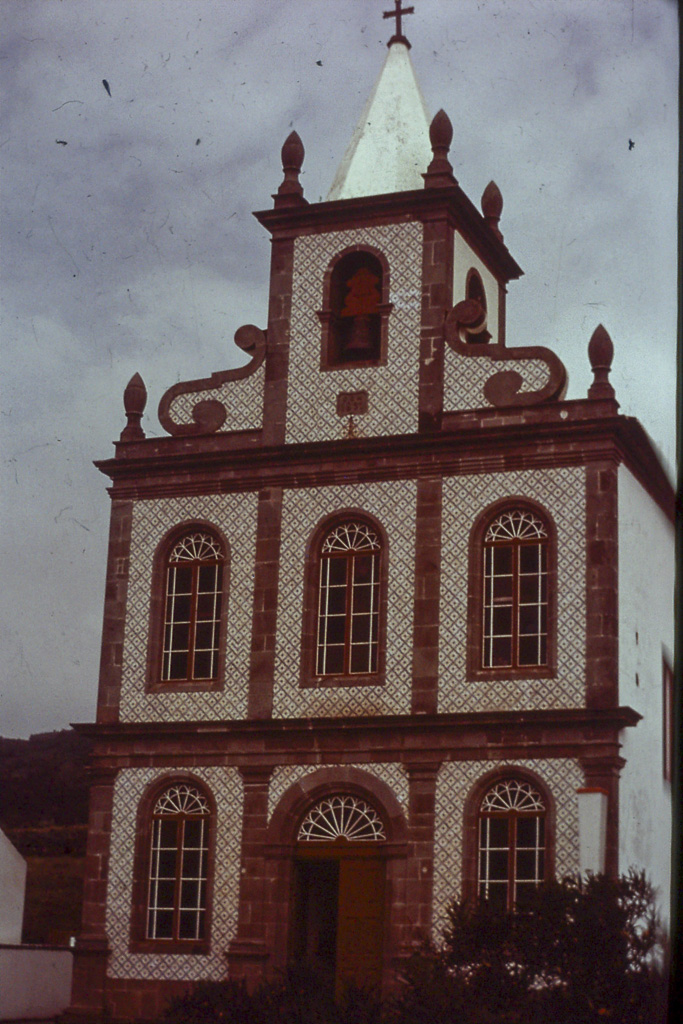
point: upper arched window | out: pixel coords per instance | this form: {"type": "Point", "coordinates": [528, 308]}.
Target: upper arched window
{"type": "Point", "coordinates": [193, 594]}
{"type": "Point", "coordinates": [515, 591]}
{"type": "Point", "coordinates": [178, 865]}
{"type": "Point", "coordinates": [354, 316]}
{"type": "Point", "coordinates": [511, 843]}
{"type": "Point", "coordinates": [513, 600]}
{"type": "Point", "coordinates": [348, 600]}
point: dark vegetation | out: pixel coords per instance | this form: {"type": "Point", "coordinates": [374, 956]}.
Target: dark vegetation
{"type": "Point", "coordinates": [44, 812]}
{"type": "Point", "coordinates": [581, 953]}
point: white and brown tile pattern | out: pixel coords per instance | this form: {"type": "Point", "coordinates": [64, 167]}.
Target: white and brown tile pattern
{"type": "Point", "coordinates": [392, 389]}
{"type": "Point", "coordinates": [393, 504]}
{"type": "Point", "coordinates": [562, 492]}
{"type": "Point", "coordinates": [226, 787]}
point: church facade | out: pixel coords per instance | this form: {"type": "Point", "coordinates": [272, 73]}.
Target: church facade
{"type": "Point", "coordinates": [377, 630]}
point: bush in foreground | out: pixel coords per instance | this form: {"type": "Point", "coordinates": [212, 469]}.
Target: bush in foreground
{"type": "Point", "coordinates": [582, 952]}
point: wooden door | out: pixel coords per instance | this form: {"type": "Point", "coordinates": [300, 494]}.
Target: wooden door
{"type": "Point", "coordinates": [360, 923]}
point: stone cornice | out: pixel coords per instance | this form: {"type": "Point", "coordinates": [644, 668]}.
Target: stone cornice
{"type": "Point", "coordinates": [449, 202]}
{"type": "Point", "coordinates": [558, 434]}
{"type": "Point", "coordinates": [574, 732]}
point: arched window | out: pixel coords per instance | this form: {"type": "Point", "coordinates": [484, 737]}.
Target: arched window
{"type": "Point", "coordinates": [515, 591]}
{"type": "Point", "coordinates": [178, 865]}
{"type": "Point", "coordinates": [512, 843]}
{"type": "Point", "coordinates": [192, 614]}
{"type": "Point", "coordinates": [355, 310]}
{"type": "Point", "coordinates": [348, 605]}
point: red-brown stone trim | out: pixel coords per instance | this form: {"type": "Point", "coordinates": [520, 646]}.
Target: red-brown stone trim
{"type": "Point", "coordinates": [327, 360]}
{"type": "Point", "coordinates": [602, 586]}
{"type": "Point", "coordinates": [89, 980]}
{"type": "Point", "coordinates": [502, 389]}
{"type": "Point", "coordinates": [308, 676]}
{"type": "Point", "coordinates": [264, 613]}
{"type": "Point", "coordinates": [115, 605]}
{"type": "Point", "coordinates": [247, 952]}
{"type": "Point", "coordinates": [141, 867]}
{"type": "Point", "coordinates": [419, 868]}
{"type": "Point", "coordinates": [157, 612]}
{"type": "Point", "coordinates": [437, 296]}
{"type": "Point", "coordinates": [470, 830]}
{"type": "Point", "coordinates": [602, 773]}
{"type": "Point", "coordinates": [209, 415]}
{"type": "Point", "coordinates": [475, 594]}
{"type": "Point", "coordinates": [277, 341]}
{"type": "Point", "coordinates": [427, 596]}
{"type": "Point", "coordinates": [570, 733]}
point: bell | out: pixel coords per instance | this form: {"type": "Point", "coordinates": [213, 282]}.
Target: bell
{"type": "Point", "coordinates": [359, 345]}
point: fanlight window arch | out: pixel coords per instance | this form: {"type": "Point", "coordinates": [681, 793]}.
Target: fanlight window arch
{"type": "Point", "coordinates": [341, 817]}
{"type": "Point", "coordinates": [176, 902]}
{"type": "Point", "coordinates": [192, 619]}
{"type": "Point", "coordinates": [512, 843]}
{"type": "Point", "coordinates": [348, 600]}
{"type": "Point", "coordinates": [515, 605]}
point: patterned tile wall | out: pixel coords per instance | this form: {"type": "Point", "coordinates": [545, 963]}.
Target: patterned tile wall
{"type": "Point", "coordinates": [241, 399]}
{"type": "Point", "coordinates": [393, 504]}
{"type": "Point", "coordinates": [226, 787]}
{"type": "Point", "coordinates": [455, 780]}
{"type": "Point", "coordinates": [562, 492]}
{"type": "Point", "coordinates": [392, 389]}
{"type": "Point", "coordinates": [465, 376]}
{"type": "Point", "coordinates": [285, 776]}
{"type": "Point", "coordinates": [235, 515]}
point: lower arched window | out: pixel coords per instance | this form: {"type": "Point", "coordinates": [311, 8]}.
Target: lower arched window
{"type": "Point", "coordinates": [178, 865]}
{"type": "Point", "coordinates": [512, 843]}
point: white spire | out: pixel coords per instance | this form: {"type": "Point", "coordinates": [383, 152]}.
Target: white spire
{"type": "Point", "coordinates": [390, 149]}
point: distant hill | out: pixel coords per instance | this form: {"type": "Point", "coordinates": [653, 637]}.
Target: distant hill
{"type": "Point", "coordinates": [43, 781]}
{"type": "Point", "coordinates": [44, 812]}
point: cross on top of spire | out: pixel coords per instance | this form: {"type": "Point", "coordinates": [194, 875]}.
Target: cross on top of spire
{"type": "Point", "coordinates": [398, 11]}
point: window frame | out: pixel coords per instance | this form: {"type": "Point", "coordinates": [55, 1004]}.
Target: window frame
{"type": "Point", "coordinates": [476, 670]}
{"type": "Point", "coordinates": [142, 863]}
{"type": "Point", "coordinates": [309, 676]}
{"type": "Point", "coordinates": [328, 356]}
{"type": "Point", "coordinates": [157, 618]}
{"type": "Point", "coordinates": [472, 818]}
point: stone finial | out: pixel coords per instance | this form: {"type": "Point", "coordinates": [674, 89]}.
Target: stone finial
{"type": "Point", "coordinates": [440, 172]}
{"type": "Point", "coordinates": [492, 207]}
{"type": "Point", "coordinates": [290, 192]}
{"type": "Point", "coordinates": [600, 353]}
{"type": "Point", "coordinates": [134, 402]}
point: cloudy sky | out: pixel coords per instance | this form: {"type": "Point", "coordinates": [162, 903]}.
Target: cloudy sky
{"type": "Point", "coordinates": [128, 243]}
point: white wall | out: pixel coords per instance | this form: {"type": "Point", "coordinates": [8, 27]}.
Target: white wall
{"type": "Point", "coordinates": [463, 260]}
{"type": "Point", "coordinates": [34, 982]}
{"type": "Point", "coordinates": [12, 886]}
{"type": "Point", "coordinates": [646, 581]}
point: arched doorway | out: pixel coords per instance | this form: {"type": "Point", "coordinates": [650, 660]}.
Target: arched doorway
{"type": "Point", "coordinates": [338, 892]}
